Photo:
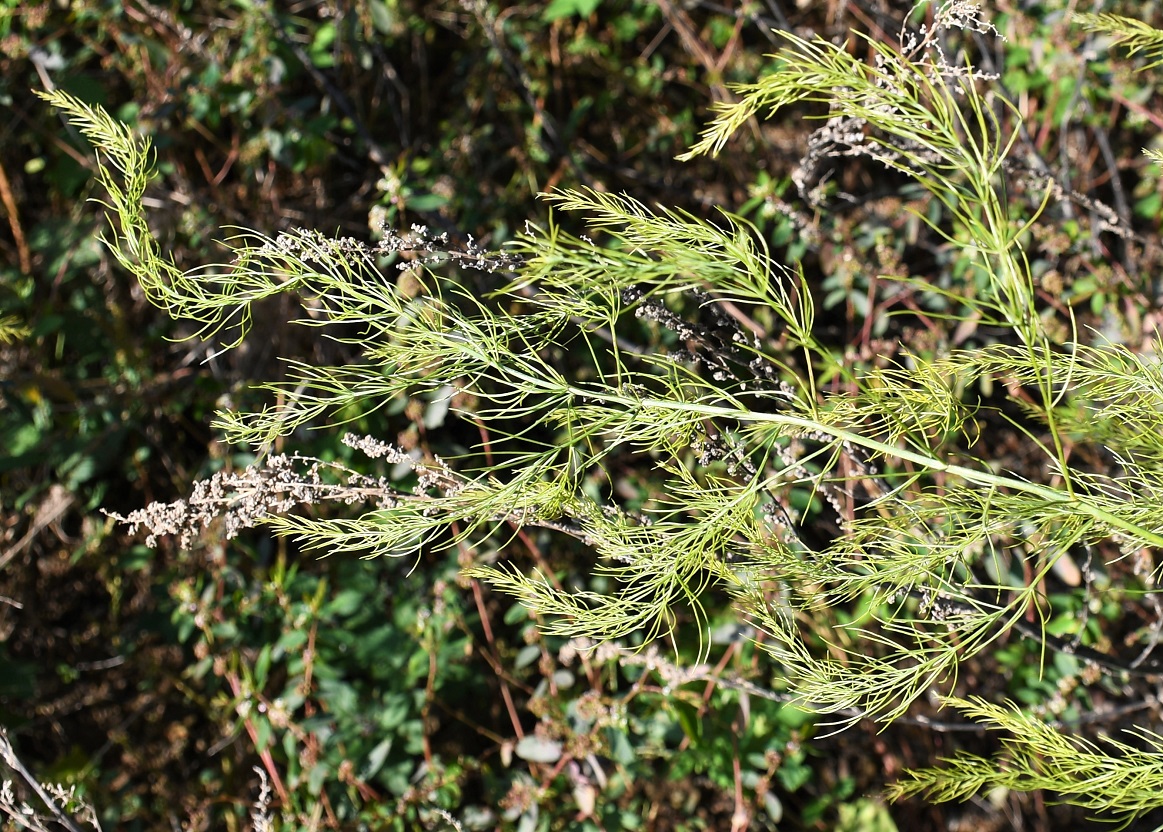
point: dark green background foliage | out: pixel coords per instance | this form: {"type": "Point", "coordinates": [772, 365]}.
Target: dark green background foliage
{"type": "Point", "coordinates": [382, 693]}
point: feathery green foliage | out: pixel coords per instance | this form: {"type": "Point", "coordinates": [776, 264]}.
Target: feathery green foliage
{"type": "Point", "coordinates": [11, 329]}
{"type": "Point", "coordinates": [1134, 34]}
{"type": "Point", "coordinates": [1116, 778]}
{"type": "Point", "coordinates": [736, 422]}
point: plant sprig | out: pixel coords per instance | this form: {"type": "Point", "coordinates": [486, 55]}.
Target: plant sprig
{"type": "Point", "coordinates": [548, 349]}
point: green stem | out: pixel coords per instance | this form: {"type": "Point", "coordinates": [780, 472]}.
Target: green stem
{"type": "Point", "coordinates": [971, 475]}
{"type": "Point", "coordinates": [984, 478]}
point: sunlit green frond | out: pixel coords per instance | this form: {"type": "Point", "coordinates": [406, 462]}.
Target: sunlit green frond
{"type": "Point", "coordinates": [918, 403]}
{"type": "Point", "coordinates": [1136, 35]}
{"type": "Point", "coordinates": [918, 657]}
{"type": "Point", "coordinates": [1101, 394]}
{"type": "Point", "coordinates": [12, 329]}
{"type": "Point", "coordinates": [686, 252]}
{"type": "Point", "coordinates": [1124, 779]}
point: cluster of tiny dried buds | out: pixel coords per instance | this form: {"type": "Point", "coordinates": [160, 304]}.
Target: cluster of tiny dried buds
{"type": "Point", "coordinates": [714, 346]}
{"type": "Point", "coordinates": [433, 473]}
{"type": "Point", "coordinates": [67, 809]}
{"type": "Point", "coordinates": [419, 246]}
{"type": "Point", "coordinates": [260, 814]}
{"type": "Point", "coordinates": [429, 249]}
{"type": "Point", "coordinates": [280, 483]}
{"type": "Point", "coordinates": [846, 136]}
{"type": "Point", "coordinates": [310, 246]}
{"type": "Point", "coordinates": [243, 499]}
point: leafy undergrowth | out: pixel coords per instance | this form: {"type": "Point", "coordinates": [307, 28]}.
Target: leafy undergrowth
{"type": "Point", "coordinates": [172, 683]}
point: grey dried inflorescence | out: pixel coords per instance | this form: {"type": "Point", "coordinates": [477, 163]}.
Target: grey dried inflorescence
{"type": "Point", "coordinates": [243, 499]}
